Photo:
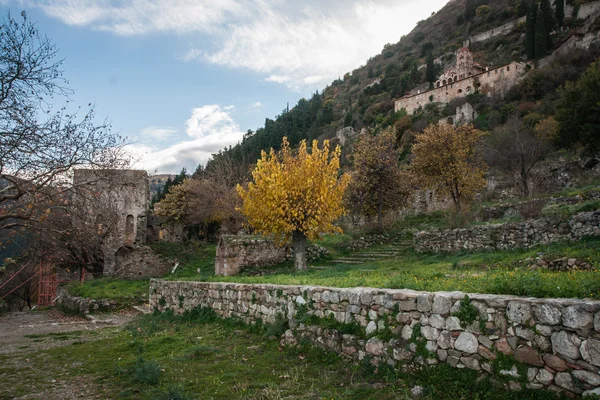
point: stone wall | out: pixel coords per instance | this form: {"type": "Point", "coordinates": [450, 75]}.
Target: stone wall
{"type": "Point", "coordinates": [138, 262]}
{"type": "Point", "coordinates": [81, 305]}
{"type": "Point", "coordinates": [509, 235]}
{"type": "Point", "coordinates": [236, 252]}
{"type": "Point", "coordinates": [555, 342]}
{"type": "Point", "coordinates": [500, 30]}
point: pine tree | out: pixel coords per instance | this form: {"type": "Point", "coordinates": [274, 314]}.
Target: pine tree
{"type": "Point", "coordinates": [530, 29]}
{"type": "Point", "coordinates": [541, 35]}
{"type": "Point", "coordinates": [430, 72]}
{"type": "Point", "coordinates": [559, 12]}
{"type": "Point", "coordinates": [370, 72]}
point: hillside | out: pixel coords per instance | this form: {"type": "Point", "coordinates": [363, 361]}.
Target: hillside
{"type": "Point", "coordinates": [364, 97]}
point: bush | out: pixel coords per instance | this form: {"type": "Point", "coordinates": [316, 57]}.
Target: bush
{"type": "Point", "coordinates": [147, 372]}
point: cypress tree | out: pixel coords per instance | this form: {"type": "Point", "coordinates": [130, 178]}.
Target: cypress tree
{"type": "Point", "coordinates": [549, 22]}
{"type": "Point", "coordinates": [541, 34]}
{"type": "Point", "coordinates": [559, 12]}
{"type": "Point", "coordinates": [430, 71]}
{"type": "Point", "coordinates": [530, 29]}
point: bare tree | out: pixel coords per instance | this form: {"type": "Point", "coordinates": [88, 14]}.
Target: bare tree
{"type": "Point", "coordinates": [41, 142]}
{"type": "Point", "coordinates": [515, 148]}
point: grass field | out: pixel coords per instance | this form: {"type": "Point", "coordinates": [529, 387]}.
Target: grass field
{"type": "Point", "coordinates": [197, 356]}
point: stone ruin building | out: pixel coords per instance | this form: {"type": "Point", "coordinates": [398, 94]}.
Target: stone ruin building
{"type": "Point", "coordinates": [464, 78]}
{"type": "Point", "coordinates": [123, 197]}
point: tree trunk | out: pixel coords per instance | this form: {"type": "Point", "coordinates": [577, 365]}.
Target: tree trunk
{"type": "Point", "coordinates": [380, 208]}
{"type": "Point", "coordinates": [524, 181]}
{"type": "Point", "coordinates": [299, 245]}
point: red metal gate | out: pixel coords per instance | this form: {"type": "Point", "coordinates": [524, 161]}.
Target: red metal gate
{"type": "Point", "coordinates": [47, 284]}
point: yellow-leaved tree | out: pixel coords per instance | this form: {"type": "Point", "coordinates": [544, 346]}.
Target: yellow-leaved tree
{"type": "Point", "coordinates": [449, 158]}
{"type": "Point", "coordinates": [295, 195]}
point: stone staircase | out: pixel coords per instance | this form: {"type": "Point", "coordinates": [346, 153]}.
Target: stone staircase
{"type": "Point", "coordinates": [369, 255]}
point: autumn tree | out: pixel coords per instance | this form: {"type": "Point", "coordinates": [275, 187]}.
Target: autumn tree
{"type": "Point", "coordinates": [448, 158]}
{"type": "Point", "coordinates": [297, 195]}
{"type": "Point", "coordinates": [516, 148]}
{"type": "Point", "coordinates": [377, 184]}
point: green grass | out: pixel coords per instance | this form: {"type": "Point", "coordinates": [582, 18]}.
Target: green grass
{"type": "Point", "coordinates": [121, 290]}
{"type": "Point", "coordinates": [498, 272]}
{"type": "Point", "coordinates": [164, 356]}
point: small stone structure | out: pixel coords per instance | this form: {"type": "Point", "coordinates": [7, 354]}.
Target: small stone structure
{"type": "Point", "coordinates": [509, 235]}
{"type": "Point", "coordinates": [236, 252]}
{"type": "Point", "coordinates": [465, 78]}
{"type": "Point", "coordinates": [555, 341]}
{"type": "Point", "coordinates": [82, 305]}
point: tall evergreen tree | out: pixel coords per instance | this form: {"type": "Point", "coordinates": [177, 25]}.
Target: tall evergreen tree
{"type": "Point", "coordinates": [559, 12]}
{"type": "Point", "coordinates": [370, 72]}
{"type": "Point", "coordinates": [430, 72]}
{"type": "Point", "coordinates": [549, 22]}
{"type": "Point", "coordinates": [530, 29]}
{"type": "Point", "coordinates": [541, 34]}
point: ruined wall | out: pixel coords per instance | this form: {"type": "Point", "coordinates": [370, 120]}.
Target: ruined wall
{"type": "Point", "coordinates": [124, 192]}
{"type": "Point", "coordinates": [555, 341]}
{"type": "Point", "coordinates": [236, 252]}
{"type": "Point", "coordinates": [509, 235]}
{"type": "Point", "coordinates": [497, 80]}
{"type": "Point", "coordinates": [138, 262]}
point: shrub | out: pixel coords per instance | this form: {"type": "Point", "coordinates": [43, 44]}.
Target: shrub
{"type": "Point", "coordinates": [147, 372]}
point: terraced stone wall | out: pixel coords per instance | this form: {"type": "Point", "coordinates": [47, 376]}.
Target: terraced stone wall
{"type": "Point", "coordinates": [553, 343]}
{"type": "Point", "coordinates": [509, 235]}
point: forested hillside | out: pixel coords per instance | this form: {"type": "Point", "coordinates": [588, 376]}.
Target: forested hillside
{"type": "Point", "coordinates": [364, 97]}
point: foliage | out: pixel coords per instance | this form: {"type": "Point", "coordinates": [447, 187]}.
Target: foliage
{"type": "Point", "coordinates": [541, 36]}
{"type": "Point", "coordinates": [41, 145]}
{"type": "Point", "coordinates": [162, 192]}
{"type": "Point", "coordinates": [530, 28]}
{"type": "Point", "coordinates": [516, 148]}
{"type": "Point", "coordinates": [559, 12]}
{"type": "Point", "coordinates": [294, 194]}
{"type": "Point", "coordinates": [467, 313]}
{"type": "Point", "coordinates": [449, 159]}
{"type": "Point", "coordinates": [377, 184]}
{"type": "Point", "coordinates": [430, 71]}
{"type": "Point", "coordinates": [578, 112]}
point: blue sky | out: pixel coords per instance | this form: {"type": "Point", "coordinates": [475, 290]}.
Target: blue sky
{"type": "Point", "coordinates": [185, 78]}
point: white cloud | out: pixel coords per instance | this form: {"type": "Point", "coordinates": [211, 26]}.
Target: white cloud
{"type": "Point", "coordinates": [301, 45]}
{"type": "Point", "coordinates": [158, 133]}
{"type": "Point", "coordinates": [209, 129]}
{"type": "Point", "coordinates": [255, 106]}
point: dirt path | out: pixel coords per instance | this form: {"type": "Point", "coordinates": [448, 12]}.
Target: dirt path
{"type": "Point", "coordinates": [18, 331]}
{"type": "Point", "coordinates": [23, 334]}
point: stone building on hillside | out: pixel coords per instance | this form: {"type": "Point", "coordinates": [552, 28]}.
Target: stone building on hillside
{"type": "Point", "coordinates": [464, 78]}
{"type": "Point", "coordinates": [117, 202]}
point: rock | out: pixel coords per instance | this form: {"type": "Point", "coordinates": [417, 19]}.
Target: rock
{"type": "Point", "coordinates": [518, 312]}
{"type": "Point", "coordinates": [592, 392]}
{"type": "Point", "coordinates": [544, 330]}
{"type": "Point", "coordinates": [430, 333]}
{"type": "Point", "coordinates": [542, 342]}
{"type": "Point", "coordinates": [597, 322]}
{"type": "Point", "coordinates": [407, 305]}
{"type": "Point", "coordinates": [564, 380]}
{"type": "Point", "coordinates": [466, 342]}
{"type": "Point", "coordinates": [561, 344]}
{"type": "Point", "coordinates": [441, 305]}
{"type": "Point", "coordinates": [453, 361]}
{"type": "Point", "coordinates": [371, 328]}
{"type": "Point", "coordinates": [590, 351]}
{"type": "Point", "coordinates": [453, 324]}
{"type": "Point", "coordinates": [407, 332]}
{"type": "Point", "coordinates": [529, 355]}
{"type": "Point", "coordinates": [423, 303]}
{"type": "Point", "coordinates": [503, 346]}
{"type": "Point", "coordinates": [511, 372]}
{"type": "Point", "coordinates": [471, 363]}
{"type": "Point", "coordinates": [445, 340]}
{"type": "Point", "coordinates": [525, 333]}
{"type": "Point", "coordinates": [544, 377]}
{"type": "Point", "coordinates": [300, 300]}
{"type": "Point", "coordinates": [485, 341]}
{"type": "Point", "coordinates": [486, 353]}
{"type": "Point", "coordinates": [547, 314]}
{"type": "Point", "coordinates": [531, 374]}
{"type": "Point", "coordinates": [514, 386]}
{"type": "Point", "coordinates": [555, 363]}
{"type": "Point", "coordinates": [513, 341]}
{"type": "Point", "coordinates": [416, 391]}
{"type": "Point", "coordinates": [577, 318]}
{"type": "Point", "coordinates": [437, 321]}
{"type": "Point", "coordinates": [587, 377]}
{"type": "Point", "coordinates": [442, 354]}
{"type": "Point", "coordinates": [374, 346]}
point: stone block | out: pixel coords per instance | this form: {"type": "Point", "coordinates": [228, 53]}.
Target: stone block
{"type": "Point", "coordinates": [519, 312]}
{"type": "Point", "coordinates": [577, 318]}
{"type": "Point", "coordinates": [547, 314]}
{"type": "Point", "coordinates": [561, 344]}
{"type": "Point", "coordinates": [590, 351]}
{"type": "Point", "coordinates": [467, 343]}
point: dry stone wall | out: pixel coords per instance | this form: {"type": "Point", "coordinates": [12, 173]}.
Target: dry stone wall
{"type": "Point", "coordinates": [555, 343]}
{"type": "Point", "coordinates": [234, 253]}
{"type": "Point", "coordinates": [509, 235]}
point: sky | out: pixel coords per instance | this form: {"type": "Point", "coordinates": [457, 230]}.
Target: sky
{"type": "Point", "coordinates": [182, 79]}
